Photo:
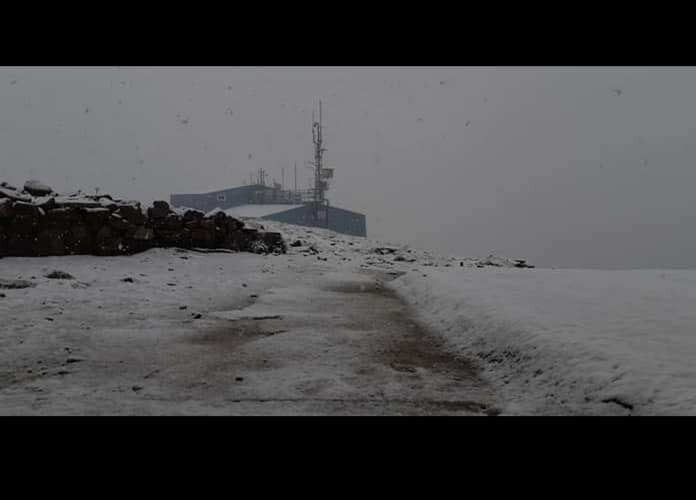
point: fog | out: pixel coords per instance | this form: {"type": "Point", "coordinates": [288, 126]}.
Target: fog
{"type": "Point", "coordinates": [565, 167]}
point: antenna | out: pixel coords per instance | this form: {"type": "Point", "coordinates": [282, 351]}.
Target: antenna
{"type": "Point", "coordinates": [319, 184]}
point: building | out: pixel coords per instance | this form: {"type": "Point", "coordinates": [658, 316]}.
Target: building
{"type": "Point", "coordinates": [303, 208]}
{"type": "Point", "coordinates": [273, 203]}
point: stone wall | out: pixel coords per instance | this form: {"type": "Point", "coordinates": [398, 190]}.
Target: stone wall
{"type": "Point", "coordinates": [37, 222]}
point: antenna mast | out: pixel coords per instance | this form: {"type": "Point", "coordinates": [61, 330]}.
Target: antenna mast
{"type": "Point", "coordinates": [317, 139]}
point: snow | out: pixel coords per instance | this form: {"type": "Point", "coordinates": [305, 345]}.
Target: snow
{"type": "Point", "coordinates": [182, 210]}
{"type": "Point", "coordinates": [14, 195]}
{"type": "Point", "coordinates": [213, 212]}
{"type": "Point", "coordinates": [258, 210]}
{"type": "Point", "coordinates": [76, 200]}
{"type": "Point", "coordinates": [570, 341]}
{"type": "Point", "coordinates": [549, 341]}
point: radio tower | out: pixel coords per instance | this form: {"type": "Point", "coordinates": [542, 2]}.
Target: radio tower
{"type": "Point", "coordinates": [317, 139]}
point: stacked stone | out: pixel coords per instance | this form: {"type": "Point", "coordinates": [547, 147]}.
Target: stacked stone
{"type": "Point", "coordinates": [36, 221]}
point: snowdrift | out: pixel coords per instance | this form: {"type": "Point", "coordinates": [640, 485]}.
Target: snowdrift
{"type": "Point", "coordinates": [570, 341]}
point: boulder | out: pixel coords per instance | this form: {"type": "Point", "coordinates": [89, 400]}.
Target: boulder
{"type": "Point", "coordinates": [6, 211]}
{"type": "Point", "coordinates": [193, 215]}
{"type": "Point", "coordinates": [37, 188]}
{"type": "Point", "coordinates": [78, 240]}
{"type": "Point", "coordinates": [159, 210]}
{"type": "Point", "coordinates": [50, 242]}
{"type": "Point", "coordinates": [95, 217]}
{"type": "Point", "coordinates": [45, 202]}
{"type": "Point", "coordinates": [118, 223]}
{"type": "Point", "coordinates": [76, 202]}
{"type": "Point", "coordinates": [132, 214]}
{"type": "Point", "coordinates": [234, 224]}
{"type": "Point", "coordinates": [26, 209]}
{"type": "Point", "coordinates": [202, 237]}
{"type": "Point", "coordinates": [274, 242]}
{"type": "Point", "coordinates": [14, 195]}
{"type": "Point", "coordinates": [144, 234]}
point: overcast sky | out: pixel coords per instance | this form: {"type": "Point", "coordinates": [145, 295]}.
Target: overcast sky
{"type": "Point", "coordinates": [567, 167]}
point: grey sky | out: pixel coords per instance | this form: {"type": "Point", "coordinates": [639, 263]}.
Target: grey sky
{"type": "Point", "coordinates": [571, 167]}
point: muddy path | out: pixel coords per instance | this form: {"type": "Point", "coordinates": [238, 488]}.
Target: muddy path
{"type": "Point", "coordinates": [322, 344]}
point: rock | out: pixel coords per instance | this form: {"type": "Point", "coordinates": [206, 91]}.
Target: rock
{"type": "Point", "coordinates": [144, 234]}
{"type": "Point", "coordinates": [15, 284]}
{"type": "Point", "coordinates": [296, 243]}
{"type": "Point", "coordinates": [274, 242]}
{"type": "Point", "coordinates": [159, 210]}
{"type": "Point", "coordinates": [2, 295]}
{"type": "Point", "coordinates": [384, 250]}
{"type": "Point", "coordinates": [258, 247]}
{"type": "Point", "coordinates": [234, 224]}
{"type": "Point", "coordinates": [137, 388]}
{"type": "Point", "coordinates": [197, 316]}
{"type": "Point", "coordinates": [59, 275]}
{"type": "Point", "coordinates": [128, 280]}
{"type": "Point", "coordinates": [182, 308]}
{"type": "Point", "coordinates": [45, 202]}
{"type": "Point", "coordinates": [132, 214]}
{"type": "Point", "coordinates": [50, 242]}
{"type": "Point", "coordinates": [37, 188]}
{"type": "Point", "coordinates": [74, 360]}
{"type": "Point", "coordinates": [14, 195]}
{"type": "Point", "coordinates": [238, 379]}
{"type": "Point", "coordinates": [193, 215]}
{"type": "Point", "coordinates": [118, 223]}
{"type": "Point", "coordinates": [76, 202]}
{"type": "Point", "coordinates": [26, 209]}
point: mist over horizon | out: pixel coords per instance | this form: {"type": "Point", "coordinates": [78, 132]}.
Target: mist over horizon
{"type": "Point", "coordinates": [564, 167]}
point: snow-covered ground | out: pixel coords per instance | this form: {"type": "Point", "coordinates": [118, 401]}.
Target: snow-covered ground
{"type": "Point", "coordinates": [570, 341]}
{"type": "Point", "coordinates": [172, 331]}
{"type": "Point", "coordinates": [547, 341]}
{"type": "Point", "coordinates": [258, 210]}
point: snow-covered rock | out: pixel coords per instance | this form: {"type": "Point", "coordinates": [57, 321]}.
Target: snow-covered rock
{"type": "Point", "coordinates": [13, 195]}
{"type": "Point", "coordinates": [37, 188]}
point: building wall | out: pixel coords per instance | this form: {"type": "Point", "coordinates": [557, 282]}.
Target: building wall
{"type": "Point", "coordinates": [339, 220]}
{"type": "Point", "coordinates": [228, 198]}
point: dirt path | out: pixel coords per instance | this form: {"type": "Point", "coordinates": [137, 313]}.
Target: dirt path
{"type": "Point", "coordinates": [330, 345]}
